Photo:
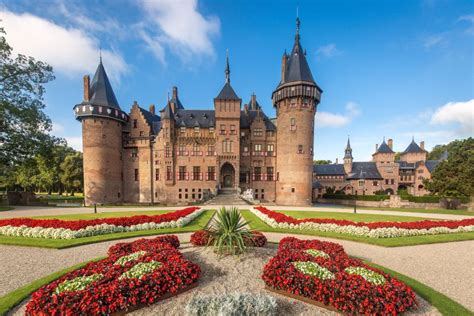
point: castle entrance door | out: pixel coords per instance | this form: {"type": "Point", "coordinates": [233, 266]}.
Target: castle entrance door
{"type": "Point", "coordinates": [227, 175]}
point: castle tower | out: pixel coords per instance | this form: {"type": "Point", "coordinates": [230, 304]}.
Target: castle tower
{"type": "Point", "coordinates": [227, 111]}
{"type": "Point", "coordinates": [348, 157]}
{"type": "Point", "coordinates": [102, 122]}
{"type": "Point", "coordinates": [295, 99]}
{"type": "Point", "coordinates": [168, 129]}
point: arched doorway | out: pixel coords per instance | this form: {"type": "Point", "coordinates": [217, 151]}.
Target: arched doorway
{"type": "Point", "coordinates": [389, 191]}
{"type": "Point", "coordinates": [227, 175]}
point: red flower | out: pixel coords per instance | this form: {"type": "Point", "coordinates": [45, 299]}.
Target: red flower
{"type": "Point", "coordinates": [200, 238]}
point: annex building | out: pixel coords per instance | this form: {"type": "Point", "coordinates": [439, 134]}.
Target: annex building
{"type": "Point", "coordinates": [179, 155]}
{"type": "Point", "coordinates": [383, 173]}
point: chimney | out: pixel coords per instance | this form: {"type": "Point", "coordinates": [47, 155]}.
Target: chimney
{"type": "Point", "coordinates": [87, 83]}
{"type": "Point", "coordinates": [390, 143]}
{"type": "Point", "coordinates": [175, 92]}
{"type": "Point", "coordinates": [254, 100]}
{"type": "Point", "coordinates": [152, 109]}
{"type": "Point", "coordinates": [422, 145]}
{"type": "Point", "coordinates": [283, 67]}
{"type": "Point", "coordinates": [337, 161]}
{"type": "Point", "coordinates": [246, 108]}
{"type": "Point", "coordinates": [376, 147]}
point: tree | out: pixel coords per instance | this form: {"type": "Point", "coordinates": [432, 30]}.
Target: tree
{"type": "Point", "coordinates": [437, 151]}
{"type": "Point", "coordinates": [72, 173]}
{"type": "Point", "coordinates": [321, 162]}
{"type": "Point", "coordinates": [454, 177]}
{"type": "Point", "coordinates": [397, 156]}
{"type": "Point", "coordinates": [24, 126]}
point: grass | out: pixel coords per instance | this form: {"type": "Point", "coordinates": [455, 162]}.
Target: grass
{"type": "Point", "coordinates": [408, 210]}
{"type": "Point", "coordinates": [14, 298]}
{"type": "Point", "coordinates": [6, 208]}
{"type": "Point", "coordinates": [444, 304]}
{"type": "Point", "coordinates": [353, 217]}
{"type": "Point", "coordinates": [198, 223]}
{"type": "Point", "coordinates": [257, 224]}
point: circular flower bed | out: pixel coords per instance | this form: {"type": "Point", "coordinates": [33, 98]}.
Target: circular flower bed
{"type": "Point", "coordinates": [134, 274]}
{"type": "Point", "coordinates": [323, 272]}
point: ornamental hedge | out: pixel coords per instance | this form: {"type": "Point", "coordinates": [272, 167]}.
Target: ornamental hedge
{"type": "Point", "coordinates": [323, 272]}
{"type": "Point", "coordinates": [133, 275]}
{"type": "Point", "coordinates": [353, 197]}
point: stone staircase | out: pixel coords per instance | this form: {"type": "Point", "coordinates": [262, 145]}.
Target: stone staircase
{"type": "Point", "coordinates": [227, 197]}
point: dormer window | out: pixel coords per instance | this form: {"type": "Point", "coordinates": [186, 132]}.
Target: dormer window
{"type": "Point", "coordinates": [182, 131]}
{"type": "Point", "coordinates": [196, 131]}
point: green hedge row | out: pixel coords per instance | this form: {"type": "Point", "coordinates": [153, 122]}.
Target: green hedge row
{"type": "Point", "coordinates": [359, 197]}
{"type": "Point", "coordinates": [430, 199]}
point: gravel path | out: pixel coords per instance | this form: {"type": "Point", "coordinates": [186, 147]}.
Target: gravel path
{"type": "Point", "coordinates": [28, 211]}
{"type": "Point", "coordinates": [229, 275]}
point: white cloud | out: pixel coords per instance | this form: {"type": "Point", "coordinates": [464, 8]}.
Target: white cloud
{"type": "Point", "coordinates": [327, 119]}
{"type": "Point", "coordinates": [432, 40]}
{"type": "Point", "coordinates": [179, 26]}
{"type": "Point", "coordinates": [74, 142]}
{"type": "Point", "coordinates": [70, 51]}
{"type": "Point", "coordinates": [460, 113]}
{"type": "Point", "coordinates": [328, 51]}
{"type": "Point", "coordinates": [57, 128]}
{"type": "Point", "coordinates": [470, 20]}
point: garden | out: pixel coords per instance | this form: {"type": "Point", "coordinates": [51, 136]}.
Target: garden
{"type": "Point", "coordinates": [226, 269]}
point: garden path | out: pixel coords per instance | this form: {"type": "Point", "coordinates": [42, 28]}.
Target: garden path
{"type": "Point", "coordinates": [446, 267]}
{"type": "Point", "coordinates": [28, 211]}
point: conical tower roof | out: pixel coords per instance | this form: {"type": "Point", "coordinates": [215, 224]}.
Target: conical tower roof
{"type": "Point", "coordinates": [101, 92]}
{"type": "Point", "coordinates": [227, 92]}
{"type": "Point", "coordinates": [413, 148]}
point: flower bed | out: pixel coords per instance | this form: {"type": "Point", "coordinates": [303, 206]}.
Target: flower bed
{"type": "Point", "coordinates": [324, 273]}
{"type": "Point", "coordinates": [115, 284]}
{"type": "Point", "coordinates": [202, 238]}
{"type": "Point", "coordinates": [371, 230]}
{"type": "Point", "coordinates": [61, 229]}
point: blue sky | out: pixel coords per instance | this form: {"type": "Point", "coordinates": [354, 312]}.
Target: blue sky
{"type": "Point", "coordinates": [387, 68]}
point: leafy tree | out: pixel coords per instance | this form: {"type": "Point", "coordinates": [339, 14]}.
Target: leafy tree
{"type": "Point", "coordinates": [397, 156]}
{"type": "Point", "coordinates": [23, 125]}
{"type": "Point", "coordinates": [454, 176]}
{"type": "Point", "coordinates": [321, 162]}
{"type": "Point", "coordinates": [437, 151]}
{"type": "Point", "coordinates": [72, 172]}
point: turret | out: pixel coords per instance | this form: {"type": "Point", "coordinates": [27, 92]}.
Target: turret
{"type": "Point", "coordinates": [348, 157]}
{"type": "Point", "coordinates": [102, 123]}
{"type": "Point", "coordinates": [414, 153]}
{"type": "Point", "coordinates": [295, 99]}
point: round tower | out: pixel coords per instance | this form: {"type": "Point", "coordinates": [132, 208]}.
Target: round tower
{"type": "Point", "coordinates": [295, 99]}
{"type": "Point", "coordinates": [102, 123]}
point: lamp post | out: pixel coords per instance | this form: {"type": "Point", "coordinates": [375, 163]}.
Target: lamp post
{"type": "Point", "coordinates": [355, 204]}
{"type": "Point", "coordinates": [95, 208]}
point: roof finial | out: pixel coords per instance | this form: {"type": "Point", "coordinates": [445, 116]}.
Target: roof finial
{"type": "Point", "coordinates": [413, 138]}
{"type": "Point", "coordinates": [100, 55]}
{"type": "Point", "coordinates": [298, 23]}
{"type": "Point", "coordinates": [227, 68]}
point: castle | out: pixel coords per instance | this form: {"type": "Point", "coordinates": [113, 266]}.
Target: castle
{"type": "Point", "coordinates": [178, 155]}
{"type": "Point", "coordinates": [383, 173]}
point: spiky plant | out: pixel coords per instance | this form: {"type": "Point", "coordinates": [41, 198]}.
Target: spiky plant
{"type": "Point", "coordinates": [229, 232]}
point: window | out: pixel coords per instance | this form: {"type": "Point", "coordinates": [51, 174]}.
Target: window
{"type": "Point", "coordinates": [258, 147]}
{"type": "Point", "coordinates": [169, 173]}
{"type": "Point", "coordinates": [300, 149]}
{"type": "Point", "coordinates": [386, 181]}
{"type": "Point", "coordinates": [257, 132]}
{"type": "Point", "coordinates": [142, 133]}
{"type": "Point", "coordinates": [257, 173]}
{"type": "Point", "coordinates": [134, 152]}
{"type": "Point", "coordinates": [181, 150]}
{"type": "Point", "coordinates": [292, 124]}
{"type": "Point", "coordinates": [196, 131]}
{"type": "Point", "coordinates": [243, 177]}
{"type": "Point", "coordinates": [242, 134]}
{"type": "Point", "coordinates": [167, 150]}
{"type": "Point", "coordinates": [270, 149]}
{"type": "Point", "coordinates": [232, 130]}
{"type": "Point", "coordinates": [195, 150]}
{"type": "Point", "coordinates": [222, 129]}
{"type": "Point", "coordinates": [420, 170]}
{"type": "Point", "coordinates": [269, 173]}
{"type": "Point", "coordinates": [135, 123]}
{"type": "Point", "coordinates": [361, 183]}
{"type": "Point", "coordinates": [182, 173]}
{"type": "Point", "coordinates": [293, 190]}
{"type": "Point", "coordinates": [227, 146]}
{"type": "Point", "coordinates": [196, 173]}
{"type": "Point", "coordinates": [211, 150]}
{"type": "Point", "coordinates": [375, 183]}
{"type": "Point", "coordinates": [392, 181]}
{"type": "Point", "coordinates": [211, 130]}
{"type": "Point", "coordinates": [182, 131]}
{"type": "Point", "coordinates": [157, 174]}
{"type": "Point", "coordinates": [211, 173]}
{"type": "Point", "coordinates": [136, 174]}
{"type": "Point", "coordinates": [246, 149]}
{"type": "Point", "coordinates": [311, 150]}
{"type": "Point", "coordinates": [270, 133]}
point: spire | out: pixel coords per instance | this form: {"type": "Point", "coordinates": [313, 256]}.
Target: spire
{"type": "Point", "coordinates": [348, 151]}
{"type": "Point", "coordinates": [101, 92]}
{"type": "Point", "coordinates": [298, 23]}
{"type": "Point", "coordinates": [227, 68]}
{"type": "Point", "coordinates": [100, 55]}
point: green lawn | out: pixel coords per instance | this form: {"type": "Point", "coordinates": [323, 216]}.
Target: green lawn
{"type": "Point", "coordinates": [258, 224]}
{"type": "Point", "coordinates": [6, 208]}
{"type": "Point", "coordinates": [352, 217]}
{"type": "Point", "coordinates": [198, 223]}
{"type": "Point", "coordinates": [408, 210]}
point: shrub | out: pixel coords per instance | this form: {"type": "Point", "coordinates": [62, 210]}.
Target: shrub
{"type": "Point", "coordinates": [257, 239]}
{"type": "Point", "coordinates": [237, 304]}
{"type": "Point", "coordinates": [200, 238]}
{"type": "Point", "coordinates": [229, 232]}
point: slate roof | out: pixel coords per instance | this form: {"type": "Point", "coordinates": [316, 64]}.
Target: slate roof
{"type": "Point", "coordinates": [317, 185]}
{"type": "Point", "coordinates": [432, 164]}
{"type": "Point", "coordinates": [227, 93]}
{"type": "Point", "coordinates": [254, 105]}
{"type": "Point", "coordinates": [297, 68]}
{"type": "Point", "coordinates": [149, 117]}
{"type": "Point", "coordinates": [195, 118]}
{"type": "Point", "coordinates": [329, 169]}
{"type": "Point", "coordinates": [364, 170]}
{"type": "Point", "coordinates": [413, 148]}
{"type": "Point", "coordinates": [247, 117]}
{"type": "Point", "coordinates": [384, 148]}
{"type": "Point", "coordinates": [406, 165]}
{"type": "Point", "coordinates": [167, 112]}
{"type": "Point", "coordinates": [101, 92]}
